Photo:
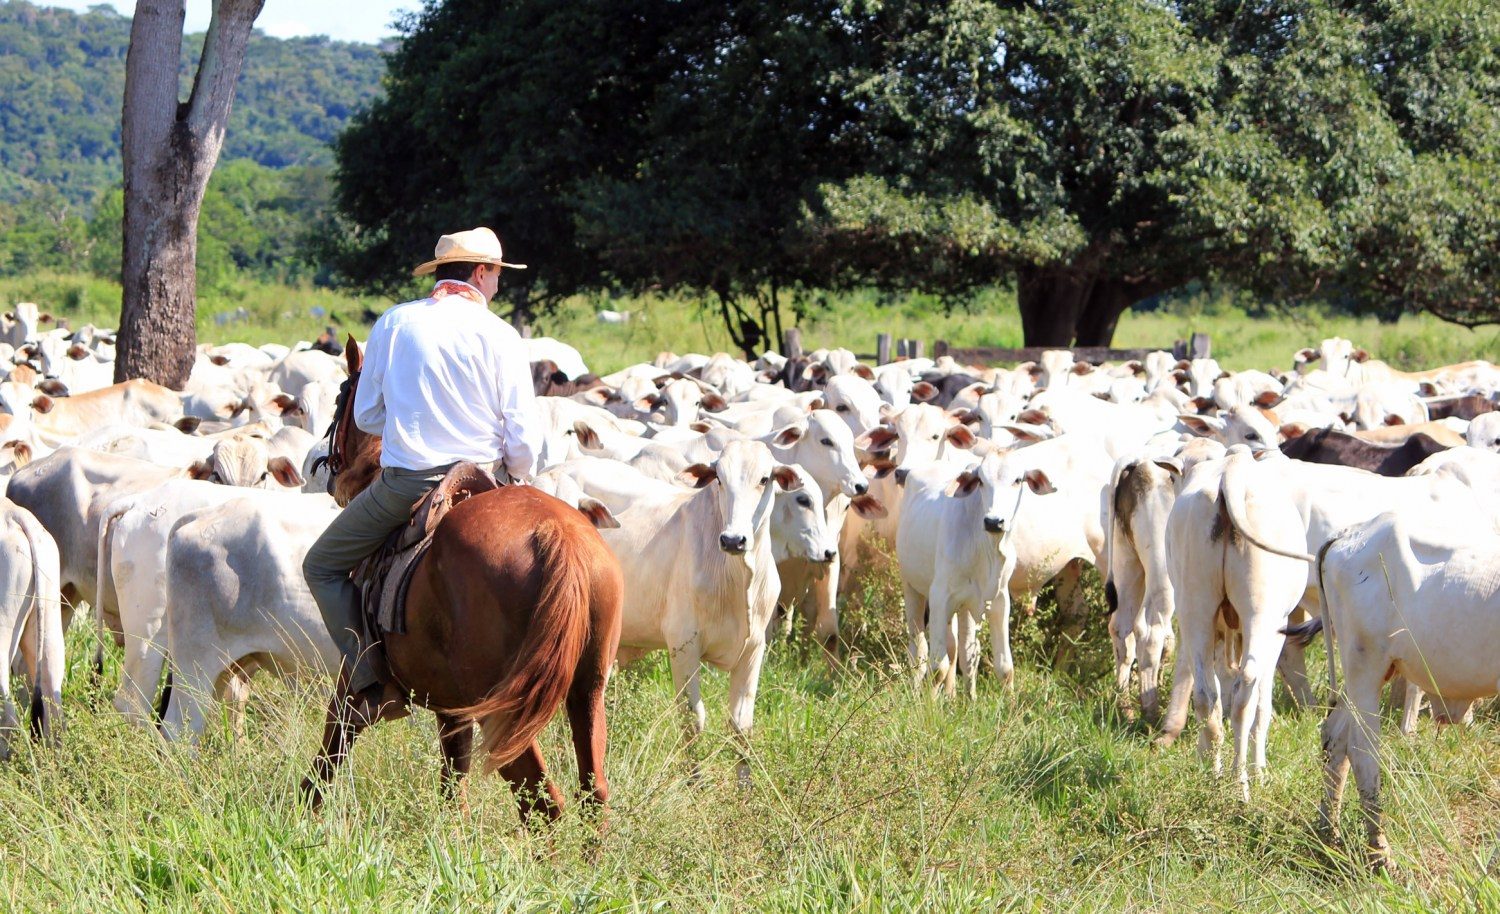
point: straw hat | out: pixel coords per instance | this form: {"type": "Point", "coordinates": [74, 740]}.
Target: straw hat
{"type": "Point", "coordinates": [474, 246]}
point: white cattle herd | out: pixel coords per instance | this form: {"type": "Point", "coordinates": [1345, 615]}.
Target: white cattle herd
{"type": "Point", "coordinates": [729, 489]}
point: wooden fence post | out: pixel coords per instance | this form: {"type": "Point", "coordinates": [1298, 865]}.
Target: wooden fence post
{"type": "Point", "coordinates": [882, 349]}
{"type": "Point", "coordinates": [791, 343]}
{"type": "Point", "coordinates": [914, 349]}
{"type": "Point", "coordinates": [1198, 348]}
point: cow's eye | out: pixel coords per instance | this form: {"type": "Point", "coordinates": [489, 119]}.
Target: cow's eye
{"type": "Point", "coordinates": [827, 442]}
{"type": "Point", "coordinates": [264, 476]}
{"type": "Point", "coordinates": [568, 432]}
{"type": "Point", "coordinates": [841, 408]}
{"type": "Point", "coordinates": [804, 501]}
{"type": "Point", "coordinates": [1252, 436]}
{"type": "Point", "coordinates": [936, 437]}
{"type": "Point", "coordinates": [764, 480]}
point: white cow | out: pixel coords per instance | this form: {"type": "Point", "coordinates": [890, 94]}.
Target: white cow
{"type": "Point", "coordinates": [957, 558]}
{"type": "Point", "coordinates": [1417, 597]}
{"type": "Point", "coordinates": [236, 601]}
{"type": "Point", "coordinates": [30, 622]}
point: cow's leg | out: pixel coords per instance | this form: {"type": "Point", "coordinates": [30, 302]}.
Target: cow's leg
{"type": "Point", "coordinates": [192, 685]}
{"type": "Point", "coordinates": [968, 646]}
{"type": "Point", "coordinates": [744, 681]}
{"type": "Point", "coordinates": [686, 661]}
{"type": "Point", "coordinates": [998, 615]}
{"type": "Point", "coordinates": [915, 604]}
{"type": "Point", "coordinates": [1336, 728]}
{"type": "Point", "coordinates": [824, 600]}
{"type": "Point", "coordinates": [1198, 654]}
{"type": "Point", "coordinates": [942, 638]}
{"type": "Point", "coordinates": [456, 739]}
{"type": "Point", "coordinates": [234, 695]}
{"type": "Point", "coordinates": [1253, 687]}
{"type": "Point", "coordinates": [46, 666]}
{"type": "Point", "coordinates": [10, 636]}
{"type": "Point", "coordinates": [534, 791]}
{"type": "Point", "coordinates": [1362, 687]}
{"type": "Point", "coordinates": [1125, 622]}
{"type": "Point", "coordinates": [1072, 610]}
{"type": "Point", "coordinates": [1411, 703]}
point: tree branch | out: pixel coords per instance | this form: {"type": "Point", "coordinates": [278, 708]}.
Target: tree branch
{"type": "Point", "coordinates": [219, 72]}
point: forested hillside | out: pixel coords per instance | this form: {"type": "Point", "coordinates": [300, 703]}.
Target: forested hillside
{"type": "Point", "coordinates": [62, 75]}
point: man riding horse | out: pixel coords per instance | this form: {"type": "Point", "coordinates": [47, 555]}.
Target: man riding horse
{"type": "Point", "coordinates": [444, 380]}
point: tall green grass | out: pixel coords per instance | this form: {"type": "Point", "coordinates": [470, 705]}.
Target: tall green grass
{"type": "Point", "coordinates": [866, 795]}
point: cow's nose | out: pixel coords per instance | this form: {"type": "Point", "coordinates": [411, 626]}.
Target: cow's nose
{"type": "Point", "coordinates": [994, 525]}
{"type": "Point", "coordinates": [732, 543]}
{"type": "Point", "coordinates": [829, 554]}
{"type": "Point", "coordinates": [901, 476]}
{"type": "Point", "coordinates": [861, 488]}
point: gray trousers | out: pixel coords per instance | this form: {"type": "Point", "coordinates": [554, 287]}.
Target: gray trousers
{"type": "Point", "coordinates": [356, 532]}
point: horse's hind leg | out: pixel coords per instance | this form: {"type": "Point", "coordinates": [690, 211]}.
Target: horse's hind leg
{"type": "Point", "coordinates": [456, 736]}
{"type": "Point", "coordinates": [590, 735]}
{"type": "Point", "coordinates": [534, 792]}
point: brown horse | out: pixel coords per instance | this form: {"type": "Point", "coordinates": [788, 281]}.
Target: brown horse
{"type": "Point", "coordinates": [514, 609]}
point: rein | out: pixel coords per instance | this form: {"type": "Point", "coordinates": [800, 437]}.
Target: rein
{"type": "Point", "coordinates": [338, 431]}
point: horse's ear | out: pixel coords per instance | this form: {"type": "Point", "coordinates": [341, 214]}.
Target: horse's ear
{"type": "Point", "coordinates": [354, 359]}
{"type": "Point", "coordinates": [598, 513]}
{"type": "Point", "coordinates": [698, 475]}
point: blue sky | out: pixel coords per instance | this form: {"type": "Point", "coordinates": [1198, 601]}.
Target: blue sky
{"type": "Point", "coordinates": [346, 20]}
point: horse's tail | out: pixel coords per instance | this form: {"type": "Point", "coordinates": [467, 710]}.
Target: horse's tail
{"type": "Point", "coordinates": [522, 704]}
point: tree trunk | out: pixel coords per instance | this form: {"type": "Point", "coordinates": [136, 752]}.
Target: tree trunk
{"type": "Point", "coordinates": [169, 150]}
{"type": "Point", "coordinates": [1052, 300]}
{"type": "Point", "coordinates": [1110, 299]}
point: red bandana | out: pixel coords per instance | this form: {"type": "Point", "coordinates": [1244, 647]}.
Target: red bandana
{"type": "Point", "coordinates": [453, 287]}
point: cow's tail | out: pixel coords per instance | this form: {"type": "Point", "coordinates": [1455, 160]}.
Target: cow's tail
{"type": "Point", "coordinates": [1112, 593]}
{"type": "Point", "coordinates": [521, 704]}
{"type": "Point", "coordinates": [104, 592]}
{"type": "Point", "coordinates": [1232, 494]}
{"type": "Point", "coordinates": [46, 615]}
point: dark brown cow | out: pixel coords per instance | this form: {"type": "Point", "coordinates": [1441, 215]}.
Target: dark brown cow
{"type": "Point", "coordinates": [1465, 407]}
{"type": "Point", "coordinates": [547, 380]}
{"type": "Point", "coordinates": [1328, 446]}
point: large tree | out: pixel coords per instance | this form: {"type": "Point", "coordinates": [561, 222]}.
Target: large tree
{"type": "Point", "coordinates": [169, 147]}
{"type": "Point", "coordinates": [1103, 151]}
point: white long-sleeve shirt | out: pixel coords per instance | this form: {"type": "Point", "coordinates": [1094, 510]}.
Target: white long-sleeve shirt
{"type": "Point", "coordinates": [444, 379]}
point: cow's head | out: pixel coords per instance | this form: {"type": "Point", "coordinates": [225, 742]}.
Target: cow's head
{"type": "Point", "coordinates": [999, 482]}
{"type": "Point", "coordinates": [747, 476]}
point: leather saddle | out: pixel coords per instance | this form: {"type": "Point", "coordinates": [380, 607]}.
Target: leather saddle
{"type": "Point", "coordinates": [385, 576]}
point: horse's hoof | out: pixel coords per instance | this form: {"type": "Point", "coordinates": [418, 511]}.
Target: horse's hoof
{"type": "Point", "coordinates": [311, 794]}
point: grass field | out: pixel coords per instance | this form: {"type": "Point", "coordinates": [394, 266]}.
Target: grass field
{"type": "Point", "coordinates": [866, 795]}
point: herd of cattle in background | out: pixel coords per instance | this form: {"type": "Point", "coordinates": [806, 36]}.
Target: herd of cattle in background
{"type": "Point", "coordinates": [1253, 508]}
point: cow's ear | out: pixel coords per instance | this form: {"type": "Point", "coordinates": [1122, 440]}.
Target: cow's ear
{"type": "Point", "coordinates": [647, 404]}
{"type": "Point", "coordinates": [1202, 425]}
{"type": "Point", "coordinates": [286, 405]}
{"type": "Point", "coordinates": [45, 317]}
{"type": "Point", "coordinates": [52, 387]}
{"type": "Point", "coordinates": [869, 507]}
{"type": "Point", "coordinates": [698, 475]}
{"type": "Point", "coordinates": [882, 467]}
{"type": "Point", "coordinates": [1038, 481]}
{"type": "Point", "coordinates": [220, 360]}
{"type": "Point", "coordinates": [1033, 416]}
{"type": "Point", "coordinates": [787, 478]}
{"type": "Point", "coordinates": [1134, 366]}
{"type": "Point", "coordinates": [20, 450]}
{"type": "Point", "coordinates": [966, 416]}
{"type": "Point", "coordinates": [701, 427]}
{"type": "Point", "coordinates": [815, 371]}
{"type": "Point", "coordinates": [815, 404]}
{"type": "Point", "coordinates": [187, 424]}
{"type": "Point", "coordinates": [790, 435]}
{"type": "Point", "coordinates": [888, 412]}
{"type": "Point", "coordinates": [598, 513]}
{"type": "Point", "coordinates": [1182, 365]}
{"type": "Point", "coordinates": [965, 484]}
{"type": "Point", "coordinates": [1028, 433]}
{"type": "Point", "coordinates": [714, 403]}
{"type": "Point", "coordinates": [960, 436]}
{"type": "Point", "coordinates": [42, 404]}
{"type": "Point", "coordinates": [1204, 404]}
{"type": "Point", "coordinates": [284, 472]}
{"type": "Point", "coordinates": [1393, 419]}
{"type": "Point", "coordinates": [1361, 355]}
{"type": "Point", "coordinates": [1180, 376]}
{"type": "Point", "coordinates": [864, 372]}
{"type": "Point", "coordinates": [201, 469]}
{"type": "Point", "coordinates": [598, 396]}
{"type": "Point", "coordinates": [922, 391]}
{"type": "Point", "coordinates": [1427, 389]}
{"type": "Point", "coordinates": [78, 352]}
{"type": "Point", "coordinates": [1305, 355]}
{"type": "Point", "coordinates": [1291, 430]}
{"type": "Point", "coordinates": [1031, 368]}
{"type": "Point", "coordinates": [1081, 368]}
{"type": "Point", "coordinates": [1267, 399]}
{"type": "Point", "coordinates": [1223, 375]}
{"type": "Point", "coordinates": [588, 439]}
{"type": "Point", "coordinates": [877, 440]}
{"type": "Point", "coordinates": [1170, 464]}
